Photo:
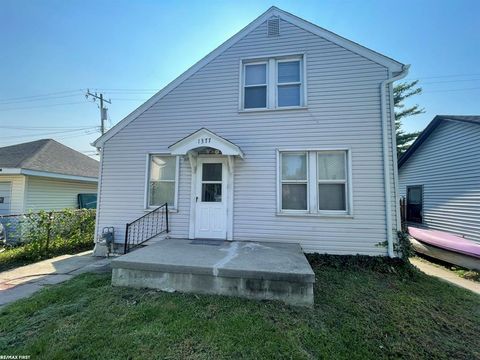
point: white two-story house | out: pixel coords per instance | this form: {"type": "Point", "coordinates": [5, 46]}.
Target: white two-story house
{"type": "Point", "coordinates": [284, 133]}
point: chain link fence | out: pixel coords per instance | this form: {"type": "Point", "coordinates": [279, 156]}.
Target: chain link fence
{"type": "Point", "coordinates": [47, 233]}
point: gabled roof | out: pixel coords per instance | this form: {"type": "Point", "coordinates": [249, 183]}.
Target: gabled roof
{"type": "Point", "coordinates": [50, 156]}
{"type": "Point", "coordinates": [391, 64]}
{"type": "Point", "coordinates": [472, 119]}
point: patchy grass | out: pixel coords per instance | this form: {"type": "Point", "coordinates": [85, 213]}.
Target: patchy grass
{"type": "Point", "coordinates": [361, 312]}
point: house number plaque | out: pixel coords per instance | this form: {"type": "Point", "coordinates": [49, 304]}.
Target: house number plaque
{"type": "Point", "coordinates": [206, 140]}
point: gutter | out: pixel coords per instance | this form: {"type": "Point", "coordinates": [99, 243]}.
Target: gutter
{"type": "Point", "coordinates": [47, 174]}
{"type": "Point", "coordinates": [386, 160]}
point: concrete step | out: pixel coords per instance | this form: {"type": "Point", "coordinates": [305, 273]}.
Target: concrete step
{"type": "Point", "coordinates": [254, 270]}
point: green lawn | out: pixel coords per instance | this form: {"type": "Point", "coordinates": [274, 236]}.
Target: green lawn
{"type": "Point", "coordinates": [359, 313]}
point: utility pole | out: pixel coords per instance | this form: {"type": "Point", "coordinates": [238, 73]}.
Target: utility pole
{"type": "Point", "coordinates": [103, 111]}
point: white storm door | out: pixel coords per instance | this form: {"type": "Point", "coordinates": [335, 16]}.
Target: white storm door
{"type": "Point", "coordinates": [211, 199]}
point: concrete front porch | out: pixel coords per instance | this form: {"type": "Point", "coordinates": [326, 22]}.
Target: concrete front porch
{"type": "Point", "coordinates": [254, 270]}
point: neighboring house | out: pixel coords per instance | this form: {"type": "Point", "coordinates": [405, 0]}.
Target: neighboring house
{"type": "Point", "coordinates": [284, 133]}
{"type": "Point", "coordinates": [44, 175]}
{"type": "Point", "coordinates": [440, 176]}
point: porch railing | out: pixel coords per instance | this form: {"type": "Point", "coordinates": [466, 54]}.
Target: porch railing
{"type": "Point", "coordinates": [146, 227]}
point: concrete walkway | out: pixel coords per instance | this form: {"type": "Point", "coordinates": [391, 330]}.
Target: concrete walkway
{"type": "Point", "coordinates": [23, 281]}
{"type": "Point", "coordinates": [446, 275]}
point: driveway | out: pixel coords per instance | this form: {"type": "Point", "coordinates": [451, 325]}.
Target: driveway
{"type": "Point", "coordinates": [23, 281]}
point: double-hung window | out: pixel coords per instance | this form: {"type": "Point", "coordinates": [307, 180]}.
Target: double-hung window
{"type": "Point", "coordinates": [314, 182]}
{"type": "Point", "coordinates": [162, 180]}
{"type": "Point", "coordinates": [273, 83]}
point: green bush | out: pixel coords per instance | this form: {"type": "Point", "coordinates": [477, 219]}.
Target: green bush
{"type": "Point", "coordinates": [46, 234]}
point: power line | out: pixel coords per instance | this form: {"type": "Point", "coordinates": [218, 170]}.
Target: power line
{"type": "Point", "coordinates": [447, 90]}
{"type": "Point", "coordinates": [41, 106]}
{"type": "Point", "coordinates": [48, 133]}
{"type": "Point", "coordinates": [41, 95]}
{"type": "Point", "coordinates": [103, 110]}
{"type": "Point", "coordinates": [126, 89]}
{"type": "Point", "coordinates": [33, 128]}
{"type": "Point", "coordinates": [442, 76]}
{"type": "Point", "coordinates": [129, 99]}
{"type": "Point", "coordinates": [72, 136]}
{"type": "Point", "coordinates": [447, 81]}
{"type": "Point", "coordinates": [37, 99]}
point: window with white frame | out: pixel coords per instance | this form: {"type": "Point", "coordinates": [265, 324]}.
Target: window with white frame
{"type": "Point", "coordinates": [255, 86]}
{"type": "Point", "coordinates": [162, 180]}
{"type": "Point", "coordinates": [314, 182]}
{"type": "Point", "coordinates": [289, 84]}
{"type": "Point", "coordinates": [332, 180]}
{"type": "Point", "coordinates": [273, 83]}
{"type": "Point", "coordinates": [294, 181]}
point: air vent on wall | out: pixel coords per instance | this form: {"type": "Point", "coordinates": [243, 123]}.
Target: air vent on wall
{"type": "Point", "coordinates": [273, 26]}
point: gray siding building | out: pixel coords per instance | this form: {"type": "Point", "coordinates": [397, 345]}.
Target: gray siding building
{"type": "Point", "coordinates": [282, 134]}
{"type": "Point", "coordinates": [440, 176]}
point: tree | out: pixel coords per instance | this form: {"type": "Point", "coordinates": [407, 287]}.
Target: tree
{"type": "Point", "coordinates": [401, 92]}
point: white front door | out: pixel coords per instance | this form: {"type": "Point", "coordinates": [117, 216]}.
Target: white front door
{"type": "Point", "coordinates": [211, 198]}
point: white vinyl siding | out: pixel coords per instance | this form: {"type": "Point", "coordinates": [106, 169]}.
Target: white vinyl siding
{"type": "Point", "coordinates": [447, 166]}
{"type": "Point", "coordinates": [52, 194]}
{"type": "Point", "coordinates": [343, 111]}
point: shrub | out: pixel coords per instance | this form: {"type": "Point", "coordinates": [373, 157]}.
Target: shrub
{"type": "Point", "coordinates": [36, 236]}
{"type": "Point", "coordinates": [403, 247]}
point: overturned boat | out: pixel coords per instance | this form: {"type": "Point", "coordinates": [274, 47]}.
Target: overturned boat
{"type": "Point", "coordinates": [445, 246]}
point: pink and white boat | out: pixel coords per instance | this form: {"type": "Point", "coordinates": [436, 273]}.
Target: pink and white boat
{"type": "Point", "coordinates": [446, 246]}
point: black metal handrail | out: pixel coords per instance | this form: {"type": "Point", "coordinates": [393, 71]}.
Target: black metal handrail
{"type": "Point", "coordinates": [146, 227]}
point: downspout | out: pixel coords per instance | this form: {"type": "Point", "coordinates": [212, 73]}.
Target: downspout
{"type": "Point", "coordinates": [386, 162]}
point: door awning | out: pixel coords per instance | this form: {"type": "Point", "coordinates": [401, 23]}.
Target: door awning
{"type": "Point", "coordinates": [204, 138]}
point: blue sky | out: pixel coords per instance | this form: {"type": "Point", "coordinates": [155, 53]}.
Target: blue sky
{"type": "Point", "coordinates": [127, 49]}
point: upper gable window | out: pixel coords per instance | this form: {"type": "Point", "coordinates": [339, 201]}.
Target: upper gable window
{"type": "Point", "coordinates": [273, 83]}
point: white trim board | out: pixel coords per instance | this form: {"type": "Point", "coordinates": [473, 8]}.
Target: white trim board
{"type": "Point", "coordinates": [19, 171]}
{"type": "Point", "coordinates": [392, 65]}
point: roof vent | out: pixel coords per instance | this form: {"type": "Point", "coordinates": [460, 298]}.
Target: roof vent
{"type": "Point", "coordinates": [273, 26]}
